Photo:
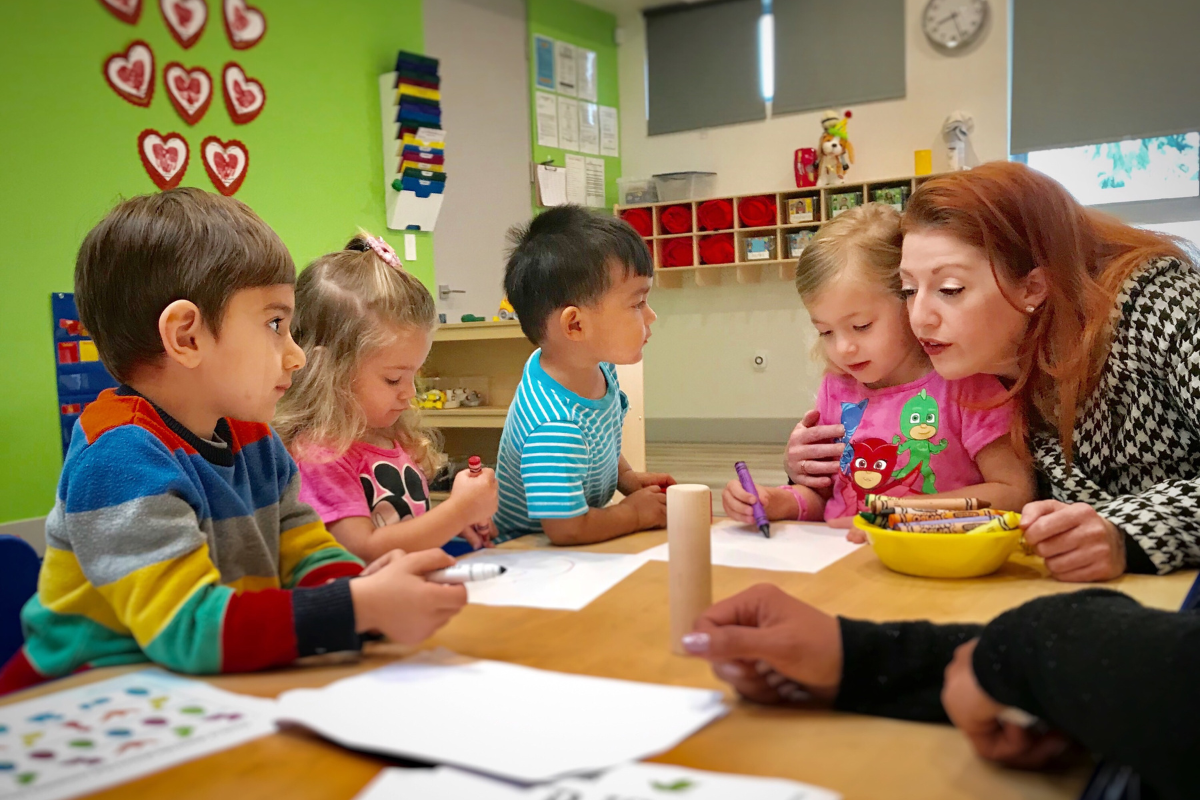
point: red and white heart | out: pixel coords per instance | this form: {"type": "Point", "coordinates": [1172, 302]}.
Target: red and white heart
{"type": "Point", "coordinates": [185, 19]}
{"type": "Point", "coordinates": [225, 163]}
{"type": "Point", "coordinates": [244, 97]}
{"type": "Point", "coordinates": [190, 91]}
{"type": "Point", "coordinates": [124, 10]}
{"type": "Point", "coordinates": [165, 157]}
{"type": "Point", "coordinates": [131, 74]}
{"type": "Point", "coordinates": [244, 25]}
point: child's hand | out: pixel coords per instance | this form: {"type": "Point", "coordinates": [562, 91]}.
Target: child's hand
{"type": "Point", "coordinates": [475, 496]}
{"type": "Point", "coordinates": [853, 535]}
{"type": "Point", "coordinates": [396, 600]}
{"type": "Point", "coordinates": [629, 481]}
{"type": "Point", "coordinates": [382, 562]}
{"type": "Point", "coordinates": [651, 507]}
{"type": "Point", "coordinates": [480, 534]}
{"type": "Point", "coordinates": [739, 504]}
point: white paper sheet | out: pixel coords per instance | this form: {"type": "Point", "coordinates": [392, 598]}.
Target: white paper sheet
{"type": "Point", "coordinates": [565, 68]}
{"type": "Point", "coordinates": [505, 720]}
{"type": "Point", "coordinates": [561, 579]}
{"type": "Point", "coordinates": [552, 185]}
{"type": "Point", "coordinates": [609, 141]}
{"type": "Point", "coordinates": [441, 783]}
{"type": "Point", "coordinates": [576, 179]}
{"type": "Point", "coordinates": [793, 547]}
{"type": "Point", "coordinates": [568, 123]}
{"type": "Point", "coordinates": [547, 119]}
{"type": "Point", "coordinates": [81, 740]}
{"type": "Point", "coordinates": [587, 79]}
{"type": "Point", "coordinates": [589, 128]}
{"type": "Point", "coordinates": [594, 170]}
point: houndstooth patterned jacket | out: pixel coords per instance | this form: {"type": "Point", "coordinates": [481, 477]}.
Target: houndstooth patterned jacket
{"type": "Point", "coordinates": [1137, 439]}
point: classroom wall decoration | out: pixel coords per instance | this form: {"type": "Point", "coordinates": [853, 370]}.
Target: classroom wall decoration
{"type": "Point", "coordinates": [131, 74]}
{"type": "Point", "coordinates": [190, 90]}
{"type": "Point", "coordinates": [185, 19]}
{"type": "Point", "coordinates": [244, 97]}
{"type": "Point", "coordinates": [225, 162]}
{"type": "Point", "coordinates": [80, 375]}
{"type": "Point", "coordinates": [125, 10]}
{"type": "Point", "coordinates": [244, 25]}
{"type": "Point", "coordinates": [165, 157]}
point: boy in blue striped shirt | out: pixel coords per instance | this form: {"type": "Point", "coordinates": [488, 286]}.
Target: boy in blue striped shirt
{"type": "Point", "coordinates": [578, 283]}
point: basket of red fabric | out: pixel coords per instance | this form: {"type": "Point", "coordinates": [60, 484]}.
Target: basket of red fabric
{"type": "Point", "coordinates": [717, 249]}
{"type": "Point", "coordinates": [757, 212]}
{"type": "Point", "coordinates": [640, 220]}
{"type": "Point", "coordinates": [675, 219]}
{"type": "Point", "coordinates": [715, 215]}
{"type": "Point", "coordinates": [676, 252]}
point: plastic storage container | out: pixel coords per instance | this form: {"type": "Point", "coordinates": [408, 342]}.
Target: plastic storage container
{"type": "Point", "coordinates": [674, 186]}
{"type": "Point", "coordinates": [633, 191]}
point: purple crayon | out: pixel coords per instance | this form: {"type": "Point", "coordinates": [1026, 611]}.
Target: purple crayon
{"type": "Point", "coordinates": [760, 516]}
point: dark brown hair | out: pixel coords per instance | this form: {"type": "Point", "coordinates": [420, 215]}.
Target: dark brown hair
{"type": "Point", "coordinates": [1024, 220]}
{"type": "Point", "coordinates": [151, 250]}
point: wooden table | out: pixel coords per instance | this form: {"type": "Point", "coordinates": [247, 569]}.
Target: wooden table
{"type": "Point", "coordinates": [623, 634]}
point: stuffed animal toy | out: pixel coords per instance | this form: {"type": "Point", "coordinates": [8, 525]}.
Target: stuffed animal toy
{"type": "Point", "coordinates": [835, 154]}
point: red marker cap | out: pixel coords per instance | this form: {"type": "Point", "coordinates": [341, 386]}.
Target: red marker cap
{"type": "Point", "coordinates": [475, 464]}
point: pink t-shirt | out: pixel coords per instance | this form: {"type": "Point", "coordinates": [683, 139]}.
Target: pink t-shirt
{"type": "Point", "coordinates": [384, 484]}
{"type": "Point", "coordinates": [917, 438]}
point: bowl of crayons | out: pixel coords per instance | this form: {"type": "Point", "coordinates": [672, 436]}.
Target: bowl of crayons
{"type": "Point", "coordinates": [957, 538]}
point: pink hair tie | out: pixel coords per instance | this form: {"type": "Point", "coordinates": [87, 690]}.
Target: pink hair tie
{"type": "Point", "coordinates": [385, 252]}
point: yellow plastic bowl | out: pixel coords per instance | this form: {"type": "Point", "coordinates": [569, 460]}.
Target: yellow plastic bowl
{"type": "Point", "coordinates": [941, 555]}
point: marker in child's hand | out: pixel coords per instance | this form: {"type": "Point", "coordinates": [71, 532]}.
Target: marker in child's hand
{"type": "Point", "coordinates": [465, 573]}
{"type": "Point", "coordinates": [760, 514]}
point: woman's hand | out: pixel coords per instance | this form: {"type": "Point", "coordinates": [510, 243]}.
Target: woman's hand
{"type": "Point", "coordinates": [771, 647]}
{"type": "Point", "coordinates": [1077, 543]}
{"type": "Point", "coordinates": [980, 718]}
{"type": "Point", "coordinates": [813, 452]}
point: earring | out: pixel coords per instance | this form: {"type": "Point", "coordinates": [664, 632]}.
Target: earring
{"type": "Point", "coordinates": [1030, 309]}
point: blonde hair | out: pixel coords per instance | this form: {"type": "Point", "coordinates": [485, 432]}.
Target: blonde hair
{"type": "Point", "coordinates": [867, 237]}
{"type": "Point", "coordinates": [348, 304]}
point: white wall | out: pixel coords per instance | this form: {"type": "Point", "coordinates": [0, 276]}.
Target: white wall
{"type": "Point", "coordinates": [698, 363]}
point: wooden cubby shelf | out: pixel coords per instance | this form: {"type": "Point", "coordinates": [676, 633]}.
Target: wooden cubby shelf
{"type": "Point", "coordinates": [780, 265]}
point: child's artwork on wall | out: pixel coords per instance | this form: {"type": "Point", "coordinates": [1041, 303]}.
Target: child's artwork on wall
{"type": "Point", "coordinates": [125, 10]}
{"type": "Point", "coordinates": [190, 90]}
{"type": "Point", "coordinates": [165, 157]}
{"type": "Point", "coordinates": [185, 19]}
{"type": "Point", "coordinates": [244, 97]}
{"type": "Point", "coordinates": [131, 74]}
{"type": "Point", "coordinates": [244, 25]}
{"type": "Point", "coordinates": [225, 162]}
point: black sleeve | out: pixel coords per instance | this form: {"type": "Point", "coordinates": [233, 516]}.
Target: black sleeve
{"type": "Point", "coordinates": [1122, 679]}
{"type": "Point", "coordinates": [895, 669]}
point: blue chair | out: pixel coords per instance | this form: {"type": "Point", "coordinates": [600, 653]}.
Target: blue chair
{"type": "Point", "coordinates": [19, 566]}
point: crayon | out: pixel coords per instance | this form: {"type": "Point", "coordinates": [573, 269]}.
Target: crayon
{"type": "Point", "coordinates": [896, 516]}
{"type": "Point", "coordinates": [1009, 521]}
{"type": "Point", "coordinates": [878, 502]}
{"type": "Point", "coordinates": [760, 516]}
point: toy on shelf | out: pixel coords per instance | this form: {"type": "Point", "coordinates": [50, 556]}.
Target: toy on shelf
{"type": "Point", "coordinates": [835, 152]}
{"type": "Point", "coordinates": [471, 399]}
{"type": "Point", "coordinates": [956, 130]}
{"type": "Point", "coordinates": [454, 398]}
{"type": "Point", "coordinates": [431, 399]}
{"type": "Point", "coordinates": [472, 318]}
{"type": "Point", "coordinates": [506, 313]}
{"type": "Point", "coordinates": [805, 165]}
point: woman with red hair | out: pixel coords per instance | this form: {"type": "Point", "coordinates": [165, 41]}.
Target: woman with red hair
{"type": "Point", "coordinates": [1094, 324]}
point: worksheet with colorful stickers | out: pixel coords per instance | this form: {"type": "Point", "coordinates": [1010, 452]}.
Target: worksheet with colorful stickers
{"type": "Point", "coordinates": [84, 739]}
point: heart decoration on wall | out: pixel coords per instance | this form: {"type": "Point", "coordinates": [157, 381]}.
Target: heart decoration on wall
{"type": "Point", "coordinates": [124, 10]}
{"type": "Point", "coordinates": [244, 25]}
{"type": "Point", "coordinates": [185, 19]}
{"type": "Point", "coordinates": [244, 97]}
{"type": "Point", "coordinates": [131, 74]}
{"type": "Point", "coordinates": [190, 91]}
{"type": "Point", "coordinates": [225, 162]}
{"type": "Point", "coordinates": [165, 157]}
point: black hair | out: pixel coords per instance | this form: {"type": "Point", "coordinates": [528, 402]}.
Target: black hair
{"type": "Point", "coordinates": [563, 257]}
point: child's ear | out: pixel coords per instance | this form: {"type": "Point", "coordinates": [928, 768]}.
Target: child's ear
{"type": "Point", "coordinates": [570, 322]}
{"type": "Point", "coordinates": [181, 328]}
{"type": "Point", "coordinates": [1035, 288]}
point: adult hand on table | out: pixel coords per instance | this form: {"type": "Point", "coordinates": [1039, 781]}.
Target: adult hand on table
{"type": "Point", "coordinates": [771, 647]}
{"type": "Point", "coordinates": [981, 719]}
{"type": "Point", "coordinates": [813, 452]}
{"type": "Point", "coordinates": [1077, 543]}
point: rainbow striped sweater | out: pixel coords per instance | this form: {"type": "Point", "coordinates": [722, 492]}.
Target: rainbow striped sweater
{"type": "Point", "coordinates": [193, 554]}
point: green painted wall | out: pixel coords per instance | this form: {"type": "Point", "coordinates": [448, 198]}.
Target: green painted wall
{"type": "Point", "coordinates": [69, 148]}
{"type": "Point", "coordinates": [582, 26]}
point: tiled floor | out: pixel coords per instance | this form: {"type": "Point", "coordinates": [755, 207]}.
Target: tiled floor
{"type": "Point", "coordinates": [712, 464]}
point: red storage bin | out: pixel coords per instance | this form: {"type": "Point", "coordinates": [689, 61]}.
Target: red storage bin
{"type": "Point", "coordinates": [640, 220]}
{"type": "Point", "coordinates": [757, 212]}
{"type": "Point", "coordinates": [717, 249]}
{"type": "Point", "coordinates": [676, 252]}
{"type": "Point", "coordinates": [675, 219]}
{"type": "Point", "coordinates": [715, 215]}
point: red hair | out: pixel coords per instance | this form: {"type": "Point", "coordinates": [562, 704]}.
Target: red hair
{"type": "Point", "coordinates": [1024, 220]}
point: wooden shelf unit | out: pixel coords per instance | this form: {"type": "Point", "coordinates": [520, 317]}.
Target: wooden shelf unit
{"type": "Point", "coordinates": [781, 267]}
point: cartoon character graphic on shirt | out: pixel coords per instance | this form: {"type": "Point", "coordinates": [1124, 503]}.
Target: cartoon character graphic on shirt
{"type": "Point", "coordinates": [919, 419]}
{"type": "Point", "coordinates": [871, 472]}
{"type": "Point", "coordinates": [852, 417]}
{"type": "Point", "coordinates": [393, 495]}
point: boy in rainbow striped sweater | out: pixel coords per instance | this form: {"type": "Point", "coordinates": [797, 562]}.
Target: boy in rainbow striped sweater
{"type": "Point", "coordinates": [177, 535]}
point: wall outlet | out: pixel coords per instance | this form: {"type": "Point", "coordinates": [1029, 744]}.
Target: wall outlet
{"type": "Point", "coordinates": [759, 361]}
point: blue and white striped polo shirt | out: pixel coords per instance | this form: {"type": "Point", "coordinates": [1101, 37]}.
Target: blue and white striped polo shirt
{"type": "Point", "coordinates": [559, 451]}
